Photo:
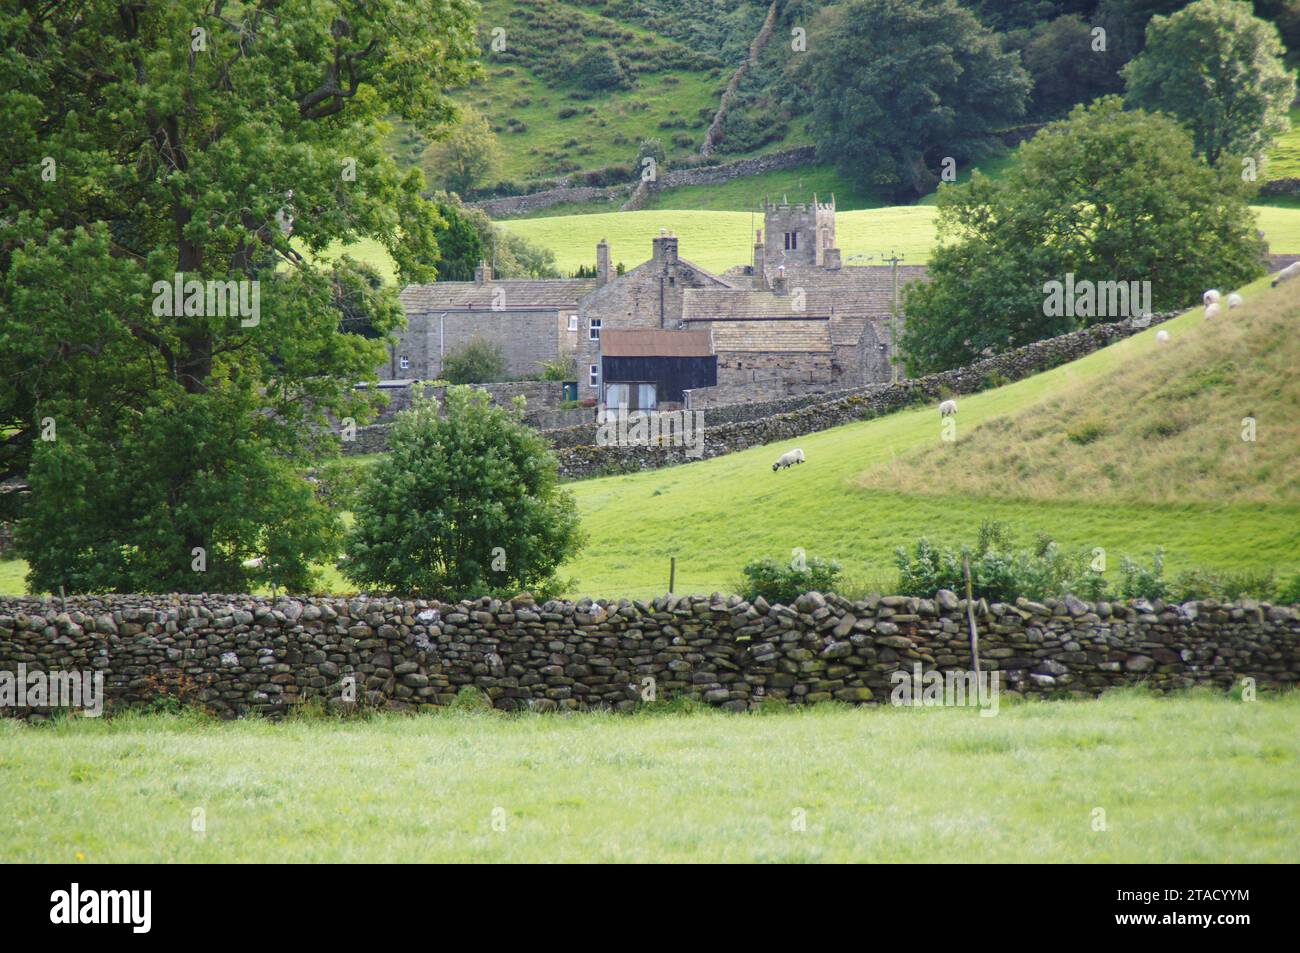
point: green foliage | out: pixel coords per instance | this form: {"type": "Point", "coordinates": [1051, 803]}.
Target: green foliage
{"type": "Point", "coordinates": [1137, 581]}
{"type": "Point", "coordinates": [1065, 67]}
{"type": "Point", "coordinates": [1218, 69]}
{"type": "Point", "coordinates": [565, 369]}
{"type": "Point", "coordinates": [1288, 592]}
{"type": "Point", "coordinates": [182, 426]}
{"type": "Point", "coordinates": [465, 504]}
{"type": "Point", "coordinates": [1000, 570]}
{"type": "Point", "coordinates": [899, 85]}
{"type": "Point", "coordinates": [784, 582]}
{"type": "Point", "coordinates": [598, 68]}
{"type": "Point", "coordinates": [460, 244]}
{"type": "Point", "coordinates": [468, 157]}
{"type": "Point", "coordinates": [478, 361]}
{"type": "Point", "coordinates": [1106, 195]}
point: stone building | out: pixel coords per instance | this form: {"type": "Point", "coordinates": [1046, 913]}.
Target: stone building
{"type": "Point", "coordinates": [794, 321]}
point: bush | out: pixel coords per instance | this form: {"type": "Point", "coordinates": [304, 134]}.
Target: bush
{"type": "Point", "coordinates": [477, 362]}
{"type": "Point", "coordinates": [1138, 582]}
{"type": "Point", "coordinates": [1000, 572]}
{"type": "Point", "coordinates": [783, 583]}
{"type": "Point", "coordinates": [466, 504]}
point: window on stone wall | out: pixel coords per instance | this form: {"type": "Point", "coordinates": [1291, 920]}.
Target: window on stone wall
{"type": "Point", "coordinates": [573, 322]}
{"type": "Point", "coordinates": [404, 363]}
{"type": "Point", "coordinates": [791, 241]}
{"type": "Point", "coordinates": [593, 329]}
{"type": "Point", "coordinates": [594, 375]}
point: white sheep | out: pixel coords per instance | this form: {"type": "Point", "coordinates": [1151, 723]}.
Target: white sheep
{"type": "Point", "coordinates": [1162, 336]}
{"type": "Point", "coordinates": [254, 563]}
{"type": "Point", "coordinates": [788, 459]}
{"type": "Point", "coordinates": [948, 408]}
{"type": "Point", "coordinates": [1211, 296]}
{"type": "Point", "coordinates": [1235, 300]}
{"type": "Point", "coordinates": [1286, 274]}
{"type": "Point", "coordinates": [1212, 309]}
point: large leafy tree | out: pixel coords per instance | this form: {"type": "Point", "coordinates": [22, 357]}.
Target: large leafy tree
{"type": "Point", "coordinates": [1218, 69]}
{"type": "Point", "coordinates": [1105, 195]}
{"type": "Point", "coordinates": [466, 503]}
{"type": "Point", "coordinates": [899, 85]}
{"type": "Point", "coordinates": [149, 143]}
{"type": "Point", "coordinates": [466, 158]}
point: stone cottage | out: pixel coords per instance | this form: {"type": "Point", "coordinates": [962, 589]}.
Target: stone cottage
{"type": "Point", "coordinates": [794, 321]}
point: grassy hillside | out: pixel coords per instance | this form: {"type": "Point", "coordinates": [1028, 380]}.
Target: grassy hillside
{"type": "Point", "coordinates": [1188, 779]}
{"type": "Point", "coordinates": [1177, 410]}
{"type": "Point", "coordinates": [717, 240]}
{"type": "Point", "coordinates": [716, 515]}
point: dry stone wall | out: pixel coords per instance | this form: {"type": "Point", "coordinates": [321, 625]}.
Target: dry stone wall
{"type": "Point", "coordinates": [238, 655]}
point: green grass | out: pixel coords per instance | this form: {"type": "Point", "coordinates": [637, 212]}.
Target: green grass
{"type": "Point", "coordinates": [1189, 779]}
{"type": "Point", "coordinates": [1284, 157]}
{"type": "Point", "coordinates": [717, 515]}
{"type": "Point", "coordinates": [748, 192]}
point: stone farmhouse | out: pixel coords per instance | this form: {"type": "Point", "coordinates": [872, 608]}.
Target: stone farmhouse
{"type": "Point", "coordinates": [668, 333]}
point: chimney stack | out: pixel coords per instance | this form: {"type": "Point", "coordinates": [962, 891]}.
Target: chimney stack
{"type": "Point", "coordinates": [665, 248]}
{"type": "Point", "coordinates": [778, 283]}
{"type": "Point", "coordinates": [831, 259]}
{"type": "Point", "coordinates": [483, 273]}
{"type": "Point", "coordinates": [602, 262]}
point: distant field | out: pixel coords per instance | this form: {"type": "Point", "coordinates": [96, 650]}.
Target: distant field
{"type": "Point", "coordinates": [1284, 157]}
{"type": "Point", "coordinates": [717, 240]}
{"type": "Point", "coordinates": [1188, 779]}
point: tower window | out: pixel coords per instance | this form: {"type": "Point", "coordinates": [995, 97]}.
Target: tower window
{"type": "Point", "coordinates": [404, 363]}
{"type": "Point", "coordinates": [791, 241]}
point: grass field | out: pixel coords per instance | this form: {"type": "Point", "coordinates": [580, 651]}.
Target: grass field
{"type": "Point", "coordinates": [719, 514]}
{"type": "Point", "coordinates": [717, 240]}
{"type": "Point", "coordinates": [1193, 778]}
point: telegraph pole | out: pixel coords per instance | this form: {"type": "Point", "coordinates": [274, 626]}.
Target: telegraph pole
{"type": "Point", "coordinates": [893, 260]}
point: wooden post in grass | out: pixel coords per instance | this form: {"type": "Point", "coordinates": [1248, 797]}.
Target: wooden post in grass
{"type": "Point", "coordinates": [970, 617]}
{"type": "Point", "coordinates": [672, 574]}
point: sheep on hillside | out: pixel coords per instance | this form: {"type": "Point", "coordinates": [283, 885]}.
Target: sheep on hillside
{"type": "Point", "coordinates": [1162, 336]}
{"type": "Point", "coordinates": [1235, 300]}
{"type": "Point", "coordinates": [788, 459]}
{"type": "Point", "coordinates": [948, 408]}
{"type": "Point", "coordinates": [1286, 274]}
{"type": "Point", "coordinates": [254, 563]}
{"type": "Point", "coordinates": [1211, 296]}
{"type": "Point", "coordinates": [1212, 310]}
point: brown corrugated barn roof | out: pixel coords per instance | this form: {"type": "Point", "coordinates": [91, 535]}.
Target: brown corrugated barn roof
{"type": "Point", "coordinates": [655, 344]}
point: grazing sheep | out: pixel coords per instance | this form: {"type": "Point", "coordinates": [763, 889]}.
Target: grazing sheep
{"type": "Point", "coordinates": [1286, 274]}
{"type": "Point", "coordinates": [1211, 296]}
{"type": "Point", "coordinates": [1162, 336]}
{"type": "Point", "coordinates": [254, 563]}
{"type": "Point", "coordinates": [948, 408]}
{"type": "Point", "coordinates": [1212, 309]}
{"type": "Point", "coordinates": [1235, 300]}
{"type": "Point", "coordinates": [788, 459]}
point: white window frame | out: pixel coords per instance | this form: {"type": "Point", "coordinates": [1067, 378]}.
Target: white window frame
{"type": "Point", "coordinates": [593, 375]}
{"type": "Point", "coordinates": [573, 322]}
{"type": "Point", "coordinates": [404, 363]}
{"type": "Point", "coordinates": [593, 329]}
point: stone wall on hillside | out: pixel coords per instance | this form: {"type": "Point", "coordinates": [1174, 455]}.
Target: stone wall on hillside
{"type": "Point", "coordinates": [874, 400]}
{"type": "Point", "coordinates": [673, 178]}
{"type": "Point", "coordinates": [238, 655]}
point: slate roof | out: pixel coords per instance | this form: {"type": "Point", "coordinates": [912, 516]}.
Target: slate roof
{"type": "Point", "coordinates": [798, 335]}
{"type": "Point", "coordinates": [655, 343]}
{"type": "Point", "coordinates": [863, 291]}
{"type": "Point", "coordinates": [520, 294]}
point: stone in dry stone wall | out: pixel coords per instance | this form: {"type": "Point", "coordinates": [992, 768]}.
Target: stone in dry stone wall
{"type": "Point", "coordinates": [239, 655]}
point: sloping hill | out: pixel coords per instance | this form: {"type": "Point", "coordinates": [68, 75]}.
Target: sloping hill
{"type": "Point", "coordinates": [848, 502]}
{"type": "Point", "coordinates": [718, 240]}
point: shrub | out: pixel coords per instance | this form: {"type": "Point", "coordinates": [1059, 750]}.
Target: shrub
{"type": "Point", "coordinates": [465, 504]}
{"type": "Point", "coordinates": [783, 583]}
{"type": "Point", "coordinates": [1288, 593]}
{"type": "Point", "coordinates": [1137, 581]}
{"type": "Point", "coordinates": [477, 362]}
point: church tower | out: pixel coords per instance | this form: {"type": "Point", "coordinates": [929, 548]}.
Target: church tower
{"type": "Point", "coordinates": [799, 234]}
